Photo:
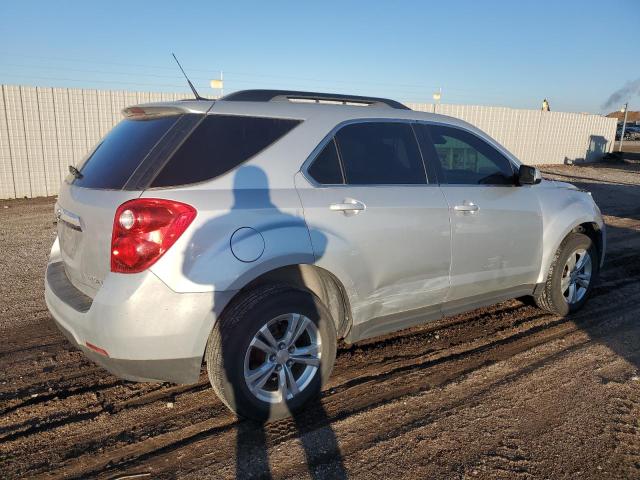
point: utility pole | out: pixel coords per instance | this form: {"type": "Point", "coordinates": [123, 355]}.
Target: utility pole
{"type": "Point", "coordinates": [624, 125]}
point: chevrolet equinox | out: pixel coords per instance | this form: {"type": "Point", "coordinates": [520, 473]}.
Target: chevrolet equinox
{"type": "Point", "coordinates": [256, 231]}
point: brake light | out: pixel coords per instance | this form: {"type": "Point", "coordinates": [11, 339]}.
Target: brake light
{"type": "Point", "coordinates": [144, 229]}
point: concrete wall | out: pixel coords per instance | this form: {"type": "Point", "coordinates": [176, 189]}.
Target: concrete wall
{"type": "Point", "coordinates": [43, 130]}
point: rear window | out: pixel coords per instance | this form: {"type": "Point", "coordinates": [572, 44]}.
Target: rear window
{"type": "Point", "coordinates": [121, 152]}
{"type": "Point", "coordinates": [219, 144]}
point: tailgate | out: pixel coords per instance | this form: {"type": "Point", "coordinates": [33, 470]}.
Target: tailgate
{"type": "Point", "coordinates": [85, 222]}
{"type": "Point", "coordinates": [89, 198]}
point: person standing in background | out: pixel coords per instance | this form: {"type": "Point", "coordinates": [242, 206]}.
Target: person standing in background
{"type": "Point", "coordinates": [545, 106]}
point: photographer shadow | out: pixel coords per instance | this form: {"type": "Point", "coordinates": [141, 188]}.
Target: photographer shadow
{"type": "Point", "coordinates": [252, 199]}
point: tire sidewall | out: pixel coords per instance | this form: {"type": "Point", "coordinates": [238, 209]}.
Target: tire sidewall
{"type": "Point", "coordinates": [246, 325]}
{"type": "Point", "coordinates": [571, 244]}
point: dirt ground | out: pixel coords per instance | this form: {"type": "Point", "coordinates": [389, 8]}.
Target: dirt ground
{"type": "Point", "coordinates": [632, 146]}
{"type": "Point", "coordinates": [502, 392]}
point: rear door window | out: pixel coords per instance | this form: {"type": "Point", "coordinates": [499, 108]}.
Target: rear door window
{"type": "Point", "coordinates": [123, 149]}
{"type": "Point", "coordinates": [380, 153]}
{"type": "Point", "coordinates": [219, 144]}
{"type": "Point", "coordinates": [326, 169]}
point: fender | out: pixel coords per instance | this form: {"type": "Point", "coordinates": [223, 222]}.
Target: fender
{"type": "Point", "coordinates": [563, 210]}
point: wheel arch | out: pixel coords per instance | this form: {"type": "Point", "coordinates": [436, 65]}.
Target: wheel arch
{"type": "Point", "coordinates": [322, 283]}
{"type": "Point", "coordinates": [589, 227]}
{"type": "Point", "coordinates": [596, 234]}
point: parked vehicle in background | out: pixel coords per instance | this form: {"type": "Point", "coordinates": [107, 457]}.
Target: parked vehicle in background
{"type": "Point", "coordinates": [256, 231]}
{"type": "Point", "coordinates": [631, 132]}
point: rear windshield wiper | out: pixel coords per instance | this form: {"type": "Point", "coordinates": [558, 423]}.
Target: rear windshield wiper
{"type": "Point", "coordinates": [75, 172]}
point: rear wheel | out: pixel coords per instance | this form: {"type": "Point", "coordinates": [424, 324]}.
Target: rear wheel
{"type": "Point", "coordinates": [271, 351]}
{"type": "Point", "coordinates": [571, 276]}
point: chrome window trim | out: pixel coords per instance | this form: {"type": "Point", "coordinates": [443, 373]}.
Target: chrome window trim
{"type": "Point", "coordinates": [515, 165]}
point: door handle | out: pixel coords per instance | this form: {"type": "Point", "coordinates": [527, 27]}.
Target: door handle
{"type": "Point", "coordinates": [348, 206]}
{"type": "Point", "coordinates": [467, 207]}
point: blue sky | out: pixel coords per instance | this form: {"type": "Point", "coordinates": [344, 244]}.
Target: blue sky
{"type": "Point", "coordinates": [510, 53]}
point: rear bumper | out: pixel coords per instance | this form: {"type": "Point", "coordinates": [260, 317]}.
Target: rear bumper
{"type": "Point", "coordinates": [176, 370]}
{"type": "Point", "coordinates": [148, 331]}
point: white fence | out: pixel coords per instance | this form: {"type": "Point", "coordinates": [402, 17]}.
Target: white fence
{"type": "Point", "coordinates": [537, 137]}
{"type": "Point", "coordinates": [43, 130]}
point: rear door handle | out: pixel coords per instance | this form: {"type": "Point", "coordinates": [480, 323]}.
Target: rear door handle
{"type": "Point", "coordinates": [348, 206]}
{"type": "Point", "coordinates": [467, 207]}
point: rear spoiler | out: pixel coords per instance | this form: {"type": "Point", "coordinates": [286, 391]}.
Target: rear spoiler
{"type": "Point", "coordinates": [157, 110]}
{"type": "Point", "coordinates": [148, 112]}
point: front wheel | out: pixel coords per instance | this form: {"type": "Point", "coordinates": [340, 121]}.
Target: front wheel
{"type": "Point", "coordinates": [271, 351]}
{"type": "Point", "coordinates": [571, 276]}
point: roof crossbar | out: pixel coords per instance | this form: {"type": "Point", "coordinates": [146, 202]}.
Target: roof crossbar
{"type": "Point", "coordinates": [315, 97]}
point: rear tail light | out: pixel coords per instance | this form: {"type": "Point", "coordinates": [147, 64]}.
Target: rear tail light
{"type": "Point", "coordinates": [144, 229]}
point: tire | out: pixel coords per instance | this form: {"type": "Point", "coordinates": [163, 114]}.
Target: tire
{"type": "Point", "coordinates": [232, 355]}
{"type": "Point", "coordinates": [555, 297]}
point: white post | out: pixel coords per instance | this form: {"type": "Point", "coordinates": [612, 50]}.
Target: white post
{"type": "Point", "coordinates": [624, 125]}
{"type": "Point", "coordinates": [436, 98]}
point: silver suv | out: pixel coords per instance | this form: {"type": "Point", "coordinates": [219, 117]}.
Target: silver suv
{"type": "Point", "coordinates": [256, 231]}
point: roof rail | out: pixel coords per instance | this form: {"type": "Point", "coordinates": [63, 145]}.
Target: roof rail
{"type": "Point", "coordinates": [311, 97]}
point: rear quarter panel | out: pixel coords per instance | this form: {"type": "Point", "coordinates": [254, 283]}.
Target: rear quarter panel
{"type": "Point", "coordinates": [202, 259]}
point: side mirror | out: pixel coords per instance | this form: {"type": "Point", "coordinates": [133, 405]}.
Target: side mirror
{"type": "Point", "coordinates": [528, 175]}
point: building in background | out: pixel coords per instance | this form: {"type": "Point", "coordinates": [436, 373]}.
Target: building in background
{"type": "Point", "coordinates": [632, 117]}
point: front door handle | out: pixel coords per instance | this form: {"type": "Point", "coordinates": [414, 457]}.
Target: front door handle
{"type": "Point", "coordinates": [349, 206]}
{"type": "Point", "coordinates": [467, 207]}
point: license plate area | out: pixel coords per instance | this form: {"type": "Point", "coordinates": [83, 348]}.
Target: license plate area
{"type": "Point", "coordinates": [70, 237]}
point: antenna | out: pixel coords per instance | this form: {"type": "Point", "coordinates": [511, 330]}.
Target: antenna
{"type": "Point", "coordinates": [193, 89]}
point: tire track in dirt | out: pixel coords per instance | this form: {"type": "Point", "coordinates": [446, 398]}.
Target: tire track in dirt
{"type": "Point", "coordinates": [565, 348]}
{"type": "Point", "coordinates": [346, 401]}
{"type": "Point", "coordinates": [626, 430]}
{"type": "Point", "coordinates": [387, 428]}
{"type": "Point", "coordinates": [166, 392]}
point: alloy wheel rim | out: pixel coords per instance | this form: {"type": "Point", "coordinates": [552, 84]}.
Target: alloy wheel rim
{"type": "Point", "coordinates": [282, 358]}
{"type": "Point", "coordinates": [576, 276]}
